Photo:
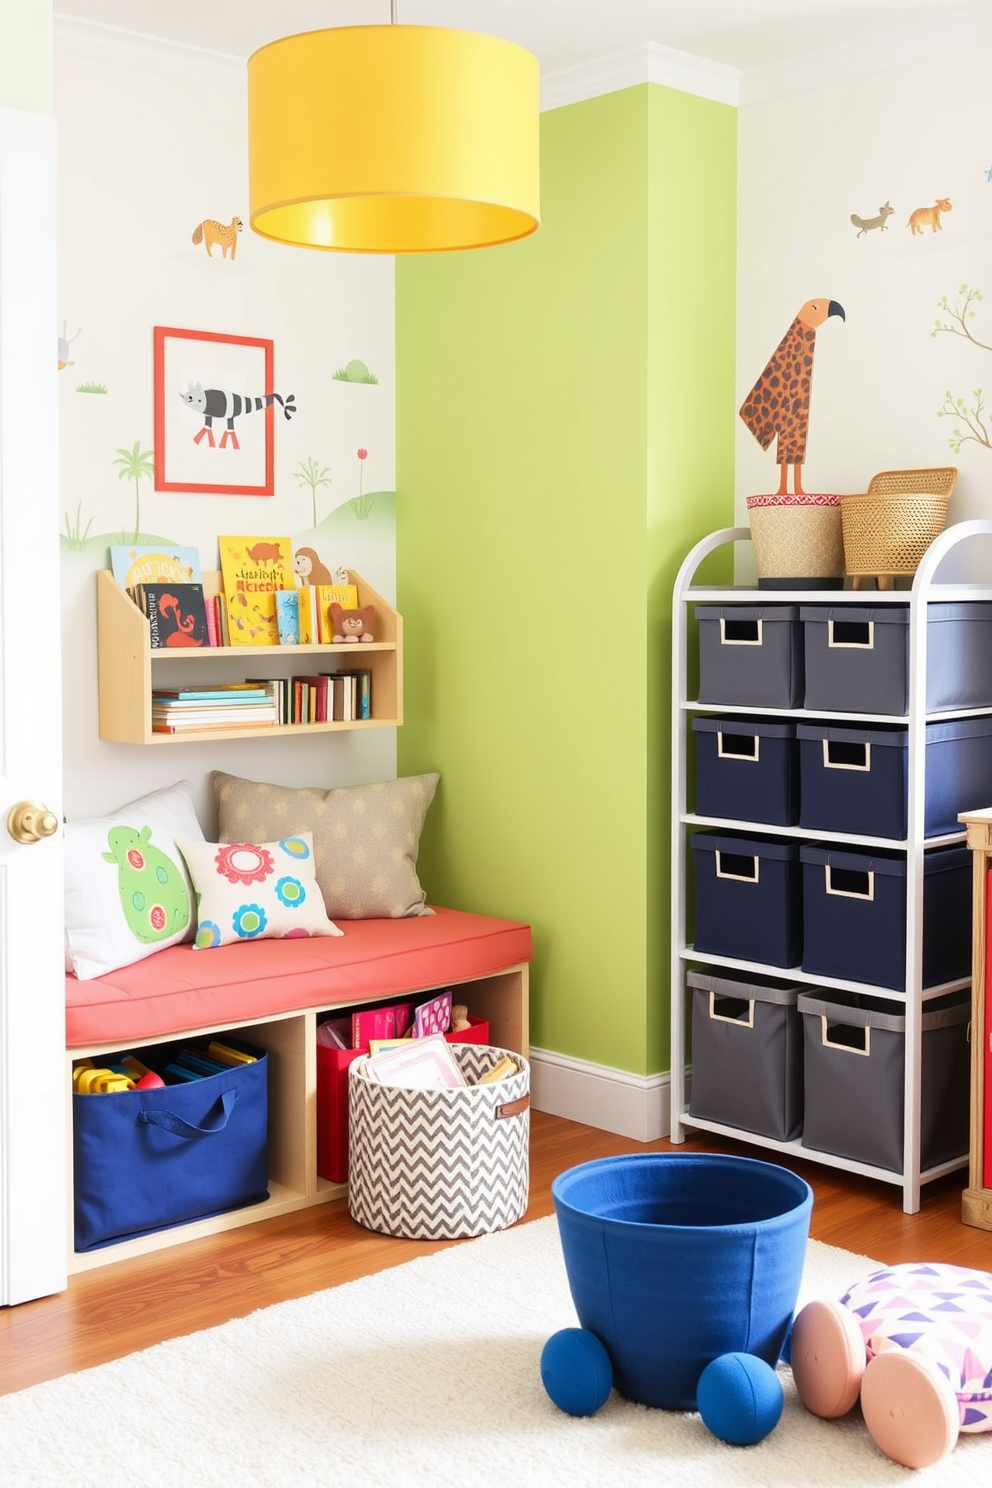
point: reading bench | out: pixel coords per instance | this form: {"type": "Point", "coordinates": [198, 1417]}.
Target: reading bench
{"type": "Point", "coordinates": [273, 992]}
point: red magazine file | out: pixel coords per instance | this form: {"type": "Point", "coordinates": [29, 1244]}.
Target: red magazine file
{"type": "Point", "coordinates": [332, 1099]}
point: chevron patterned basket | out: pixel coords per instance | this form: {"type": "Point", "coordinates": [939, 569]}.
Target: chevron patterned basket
{"type": "Point", "coordinates": [440, 1164]}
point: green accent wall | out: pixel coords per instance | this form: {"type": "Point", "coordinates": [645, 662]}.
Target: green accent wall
{"type": "Point", "coordinates": [565, 426]}
{"type": "Point", "coordinates": [26, 55]}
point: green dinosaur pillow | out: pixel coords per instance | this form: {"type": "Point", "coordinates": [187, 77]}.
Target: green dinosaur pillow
{"type": "Point", "coordinates": [127, 888]}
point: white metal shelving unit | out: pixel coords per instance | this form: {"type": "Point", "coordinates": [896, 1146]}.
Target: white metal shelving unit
{"type": "Point", "coordinates": [956, 567]}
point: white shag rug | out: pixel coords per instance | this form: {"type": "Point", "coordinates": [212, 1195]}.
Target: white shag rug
{"type": "Point", "coordinates": [425, 1374]}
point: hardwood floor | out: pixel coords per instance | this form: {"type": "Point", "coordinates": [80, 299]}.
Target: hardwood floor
{"type": "Point", "coordinates": [121, 1308]}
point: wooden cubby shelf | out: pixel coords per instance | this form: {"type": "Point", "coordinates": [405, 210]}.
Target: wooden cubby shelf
{"type": "Point", "coordinates": [129, 666]}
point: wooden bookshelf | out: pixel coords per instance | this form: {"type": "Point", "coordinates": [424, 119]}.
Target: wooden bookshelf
{"type": "Point", "coordinates": [129, 667]}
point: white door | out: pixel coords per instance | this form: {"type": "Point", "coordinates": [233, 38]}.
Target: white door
{"type": "Point", "coordinates": [32, 1013]}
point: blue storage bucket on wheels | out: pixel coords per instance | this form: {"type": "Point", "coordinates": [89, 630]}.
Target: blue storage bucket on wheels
{"type": "Point", "coordinates": [675, 1260]}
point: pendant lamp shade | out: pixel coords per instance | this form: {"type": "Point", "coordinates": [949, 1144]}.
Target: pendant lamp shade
{"type": "Point", "coordinates": [393, 139]}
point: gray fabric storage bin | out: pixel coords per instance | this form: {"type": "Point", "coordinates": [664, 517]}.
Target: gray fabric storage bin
{"type": "Point", "coordinates": [854, 1055]}
{"type": "Point", "coordinates": [751, 656]}
{"type": "Point", "coordinates": [857, 657]}
{"type": "Point", "coordinates": [855, 779]}
{"type": "Point", "coordinates": [747, 1054]}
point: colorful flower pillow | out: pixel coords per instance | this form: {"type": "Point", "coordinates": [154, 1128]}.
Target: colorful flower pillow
{"type": "Point", "coordinates": [127, 892]}
{"type": "Point", "coordinates": [255, 891]}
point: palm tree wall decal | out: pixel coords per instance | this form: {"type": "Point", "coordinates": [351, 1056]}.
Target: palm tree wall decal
{"type": "Point", "coordinates": [308, 473]}
{"type": "Point", "coordinates": [135, 464]}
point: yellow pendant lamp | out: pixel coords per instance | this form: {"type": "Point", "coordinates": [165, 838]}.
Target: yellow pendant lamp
{"type": "Point", "coordinates": [393, 139]}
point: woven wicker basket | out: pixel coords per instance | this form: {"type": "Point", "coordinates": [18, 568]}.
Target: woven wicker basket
{"type": "Point", "coordinates": [797, 538]}
{"type": "Point", "coordinates": [889, 528]}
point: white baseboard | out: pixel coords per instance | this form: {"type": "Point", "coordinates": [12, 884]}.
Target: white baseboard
{"type": "Point", "coordinates": [634, 1106]}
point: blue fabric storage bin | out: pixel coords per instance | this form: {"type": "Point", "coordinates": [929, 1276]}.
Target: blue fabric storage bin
{"type": "Point", "coordinates": [747, 769]}
{"type": "Point", "coordinates": [855, 780]}
{"type": "Point", "coordinates": [147, 1159]}
{"type": "Point", "coordinates": [673, 1260]}
{"type": "Point", "coordinates": [751, 656]}
{"type": "Point", "coordinates": [748, 898]}
{"type": "Point", "coordinates": [857, 657]}
{"type": "Point", "coordinates": [854, 915]}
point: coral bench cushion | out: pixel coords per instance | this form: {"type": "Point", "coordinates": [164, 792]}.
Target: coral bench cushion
{"type": "Point", "coordinates": [180, 988]}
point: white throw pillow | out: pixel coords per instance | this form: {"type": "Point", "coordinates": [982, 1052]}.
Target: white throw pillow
{"type": "Point", "coordinates": [255, 891]}
{"type": "Point", "coordinates": [127, 889]}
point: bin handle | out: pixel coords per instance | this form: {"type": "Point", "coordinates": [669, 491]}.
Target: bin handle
{"type": "Point", "coordinates": [737, 754]}
{"type": "Point", "coordinates": [170, 1121]}
{"type": "Point", "coordinates": [740, 877]}
{"type": "Point", "coordinates": [868, 895]}
{"type": "Point", "coordinates": [716, 1017]}
{"type": "Point", "coordinates": [512, 1108]}
{"type": "Point", "coordinates": [828, 1043]}
{"type": "Point", "coordinates": [868, 645]}
{"type": "Point", "coordinates": [832, 764]}
{"type": "Point", "coordinates": [726, 640]}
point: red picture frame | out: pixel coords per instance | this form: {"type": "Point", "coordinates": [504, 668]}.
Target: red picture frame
{"type": "Point", "coordinates": [214, 412]}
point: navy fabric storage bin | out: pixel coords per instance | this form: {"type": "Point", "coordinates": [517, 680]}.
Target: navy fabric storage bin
{"type": "Point", "coordinates": [147, 1159]}
{"type": "Point", "coordinates": [750, 656]}
{"type": "Point", "coordinates": [857, 658]}
{"type": "Point", "coordinates": [855, 1056]}
{"type": "Point", "coordinates": [854, 915]}
{"type": "Point", "coordinates": [748, 898]}
{"type": "Point", "coordinates": [855, 780]}
{"type": "Point", "coordinates": [747, 769]}
{"type": "Point", "coordinates": [747, 1053]}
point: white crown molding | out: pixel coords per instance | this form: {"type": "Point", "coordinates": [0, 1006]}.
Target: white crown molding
{"type": "Point", "coordinates": [847, 61]}
{"type": "Point", "coordinates": [650, 63]}
{"type": "Point", "coordinates": [134, 49]}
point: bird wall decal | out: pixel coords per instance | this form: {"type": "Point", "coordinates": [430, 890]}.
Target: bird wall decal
{"type": "Point", "coordinates": [777, 407]}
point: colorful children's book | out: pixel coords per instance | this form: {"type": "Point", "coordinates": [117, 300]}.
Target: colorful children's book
{"type": "Point", "coordinates": [425, 1064]}
{"type": "Point", "coordinates": [152, 563]}
{"type": "Point", "coordinates": [177, 614]}
{"type": "Point", "coordinates": [432, 1017]}
{"type": "Point", "coordinates": [328, 594]}
{"type": "Point", "coordinates": [379, 1023]}
{"type": "Point", "coordinates": [253, 568]}
{"type": "Point", "coordinates": [288, 616]}
{"type": "Point", "coordinates": [308, 617]}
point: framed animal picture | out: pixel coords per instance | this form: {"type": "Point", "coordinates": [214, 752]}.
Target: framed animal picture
{"type": "Point", "coordinates": [216, 406]}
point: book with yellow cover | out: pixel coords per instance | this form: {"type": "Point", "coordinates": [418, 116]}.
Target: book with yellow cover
{"type": "Point", "coordinates": [252, 569]}
{"type": "Point", "coordinates": [328, 594]}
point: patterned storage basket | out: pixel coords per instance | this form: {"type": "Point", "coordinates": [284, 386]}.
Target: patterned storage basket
{"type": "Point", "coordinates": [889, 528]}
{"type": "Point", "coordinates": [440, 1164]}
{"type": "Point", "coordinates": [796, 537]}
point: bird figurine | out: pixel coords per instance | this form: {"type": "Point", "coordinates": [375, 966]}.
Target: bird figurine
{"type": "Point", "coordinates": [778, 404]}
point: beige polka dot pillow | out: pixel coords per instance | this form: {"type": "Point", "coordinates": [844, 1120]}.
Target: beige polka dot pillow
{"type": "Point", "coordinates": [366, 837]}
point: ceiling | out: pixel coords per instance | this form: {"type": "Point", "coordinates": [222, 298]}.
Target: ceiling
{"type": "Point", "coordinates": [742, 34]}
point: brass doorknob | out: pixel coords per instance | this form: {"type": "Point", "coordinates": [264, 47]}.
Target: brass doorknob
{"type": "Point", "coordinates": [29, 821]}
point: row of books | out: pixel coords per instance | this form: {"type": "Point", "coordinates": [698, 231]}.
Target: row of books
{"type": "Point", "coordinates": [323, 697]}
{"type": "Point", "coordinates": [181, 615]}
{"type": "Point", "coordinates": [237, 705]}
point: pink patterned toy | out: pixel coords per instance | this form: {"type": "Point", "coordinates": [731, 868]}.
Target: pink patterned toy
{"type": "Point", "coordinates": [915, 1342]}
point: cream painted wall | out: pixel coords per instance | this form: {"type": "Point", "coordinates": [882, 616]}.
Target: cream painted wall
{"type": "Point", "coordinates": [806, 162]}
{"type": "Point", "coordinates": [145, 155]}
{"type": "Point", "coordinates": [26, 55]}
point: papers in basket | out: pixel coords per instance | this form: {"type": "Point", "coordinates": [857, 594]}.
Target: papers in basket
{"type": "Point", "coordinates": [423, 1064]}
